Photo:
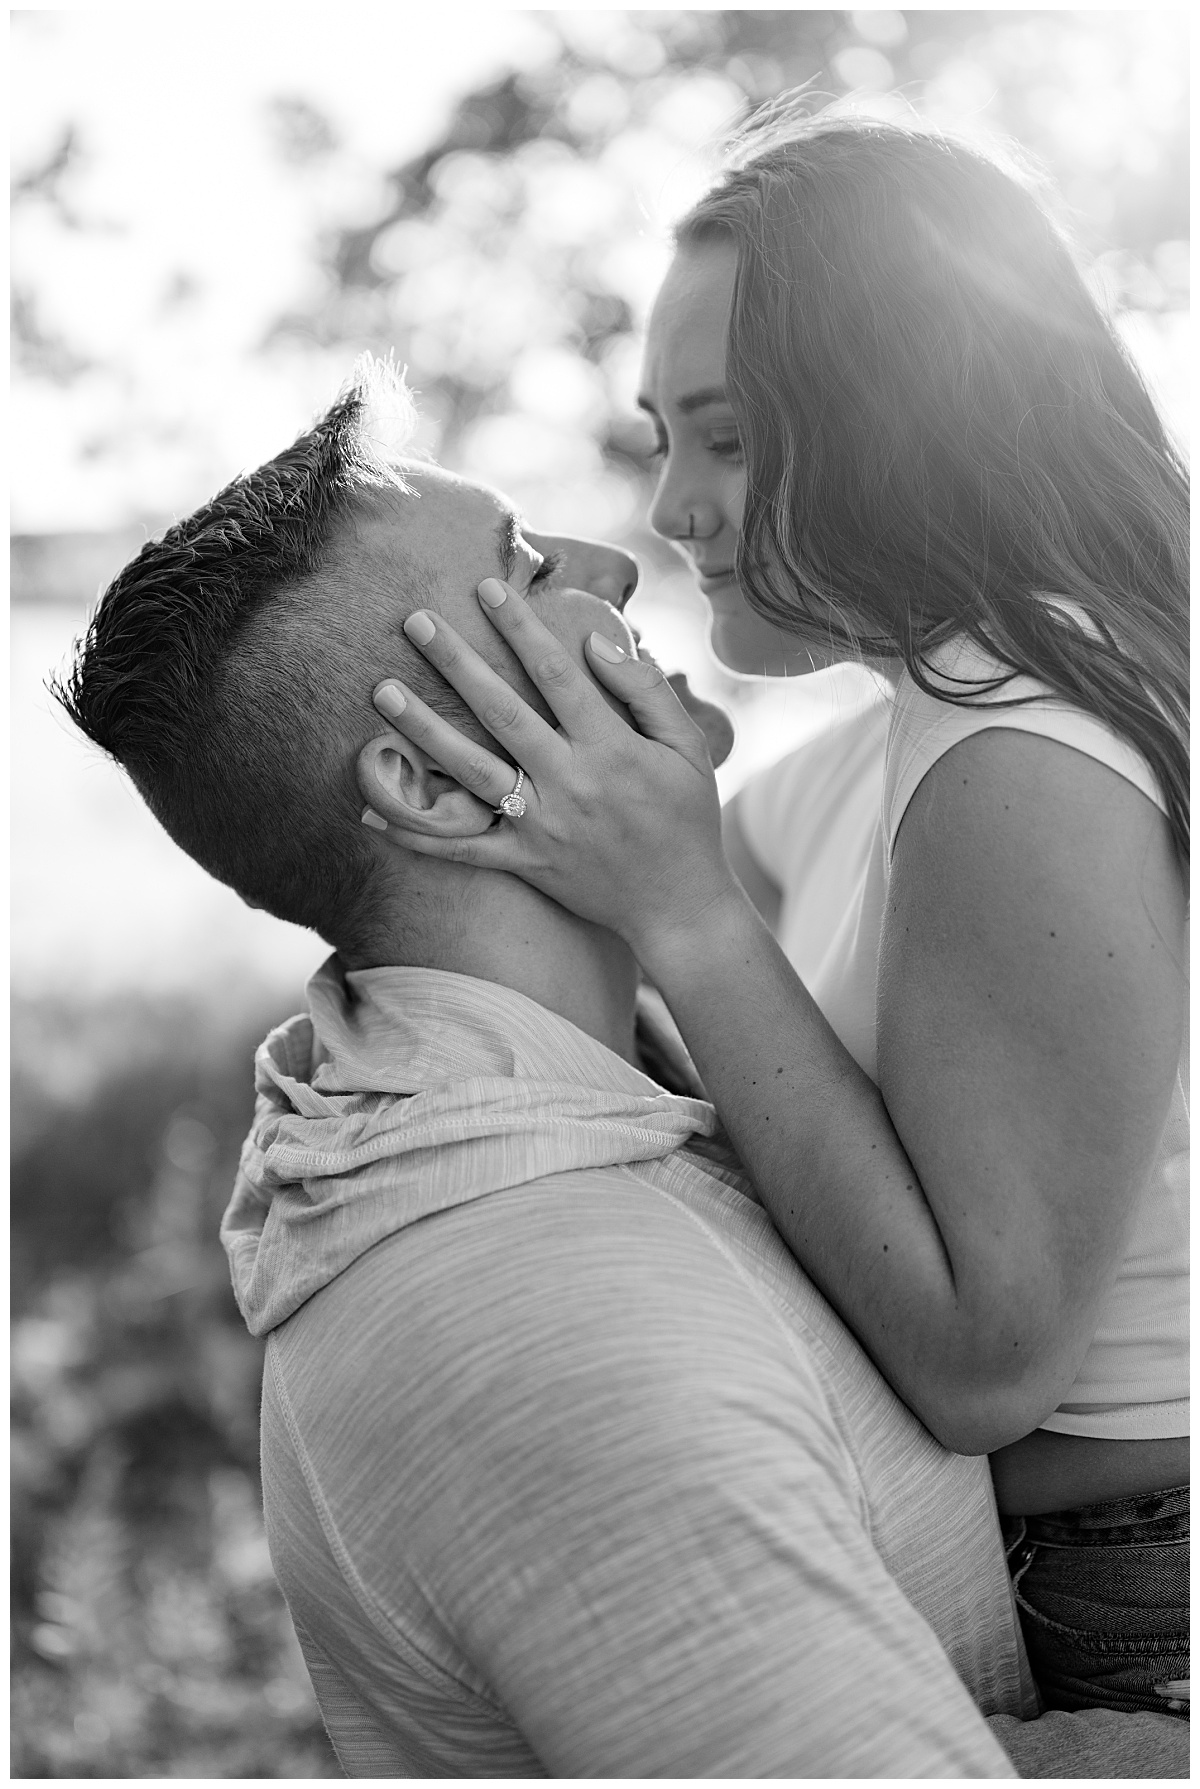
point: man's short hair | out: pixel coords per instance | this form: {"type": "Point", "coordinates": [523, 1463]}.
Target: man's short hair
{"type": "Point", "coordinates": [222, 670]}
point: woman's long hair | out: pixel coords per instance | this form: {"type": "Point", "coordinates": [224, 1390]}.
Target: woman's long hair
{"type": "Point", "coordinates": [941, 429]}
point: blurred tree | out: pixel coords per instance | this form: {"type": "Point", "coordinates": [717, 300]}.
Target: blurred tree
{"type": "Point", "coordinates": [38, 348]}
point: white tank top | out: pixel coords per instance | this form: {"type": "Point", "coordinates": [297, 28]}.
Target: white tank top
{"type": "Point", "coordinates": [823, 823]}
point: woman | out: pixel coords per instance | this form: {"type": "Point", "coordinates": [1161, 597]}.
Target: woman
{"type": "Point", "coordinates": [895, 426]}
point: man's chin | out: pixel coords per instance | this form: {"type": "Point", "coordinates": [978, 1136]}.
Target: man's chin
{"type": "Point", "coordinates": [713, 722]}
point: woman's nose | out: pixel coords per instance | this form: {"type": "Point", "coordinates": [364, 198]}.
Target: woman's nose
{"type": "Point", "coordinates": [591, 565]}
{"type": "Point", "coordinates": [679, 516]}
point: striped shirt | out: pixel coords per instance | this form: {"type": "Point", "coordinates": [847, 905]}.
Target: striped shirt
{"type": "Point", "coordinates": [568, 1469]}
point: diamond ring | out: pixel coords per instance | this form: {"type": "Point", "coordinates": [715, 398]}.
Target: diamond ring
{"type": "Point", "coordinates": [513, 804]}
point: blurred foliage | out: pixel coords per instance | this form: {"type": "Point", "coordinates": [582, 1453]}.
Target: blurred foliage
{"type": "Point", "coordinates": [149, 1637]}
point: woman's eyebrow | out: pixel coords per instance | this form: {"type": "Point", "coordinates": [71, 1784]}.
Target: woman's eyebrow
{"type": "Point", "coordinates": [695, 400]}
{"type": "Point", "coordinates": [700, 400]}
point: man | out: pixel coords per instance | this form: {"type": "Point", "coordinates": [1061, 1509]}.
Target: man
{"type": "Point", "coordinates": [567, 1468]}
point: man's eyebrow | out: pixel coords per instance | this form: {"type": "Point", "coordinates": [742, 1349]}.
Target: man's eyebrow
{"type": "Point", "coordinates": [506, 539]}
{"type": "Point", "coordinates": [695, 400]}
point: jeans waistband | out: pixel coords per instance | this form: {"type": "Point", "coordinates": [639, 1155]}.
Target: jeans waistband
{"type": "Point", "coordinates": [1158, 1518]}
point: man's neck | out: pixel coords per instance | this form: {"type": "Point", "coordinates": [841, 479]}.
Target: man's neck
{"type": "Point", "coordinates": [498, 929]}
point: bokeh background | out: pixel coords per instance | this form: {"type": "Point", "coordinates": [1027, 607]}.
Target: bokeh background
{"type": "Point", "coordinates": [212, 214]}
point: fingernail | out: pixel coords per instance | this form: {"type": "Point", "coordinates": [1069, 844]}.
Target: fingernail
{"type": "Point", "coordinates": [390, 699]}
{"type": "Point", "coordinates": [419, 629]}
{"type": "Point", "coordinates": [371, 818]}
{"type": "Point", "coordinates": [492, 592]}
{"type": "Point", "coordinates": [607, 649]}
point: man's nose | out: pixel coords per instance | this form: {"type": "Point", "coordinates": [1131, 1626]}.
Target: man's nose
{"type": "Point", "coordinates": [591, 565]}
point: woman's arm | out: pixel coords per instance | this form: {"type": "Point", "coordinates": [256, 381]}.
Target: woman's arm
{"type": "Point", "coordinates": [966, 1219]}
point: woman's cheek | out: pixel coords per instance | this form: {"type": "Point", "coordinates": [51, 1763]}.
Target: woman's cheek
{"type": "Point", "coordinates": [734, 499]}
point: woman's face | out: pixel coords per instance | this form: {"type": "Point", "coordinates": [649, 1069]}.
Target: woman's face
{"type": "Point", "coordinates": [701, 492]}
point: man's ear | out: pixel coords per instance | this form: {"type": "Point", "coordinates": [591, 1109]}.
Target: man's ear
{"type": "Point", "coordinates": [404, 786]}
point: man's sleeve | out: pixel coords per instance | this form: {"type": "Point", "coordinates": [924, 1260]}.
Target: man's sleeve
{"type": "Point", "coordinates": [638, 1521]}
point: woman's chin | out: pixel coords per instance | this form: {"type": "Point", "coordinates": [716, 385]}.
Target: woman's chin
{"type": "Point", "coordinates": [751, 648]}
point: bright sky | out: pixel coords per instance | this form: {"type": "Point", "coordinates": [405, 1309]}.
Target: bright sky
{"type": "Point", "coordinates": [386, 76]}
{"type": "Point", "coordinates": [181, 175]}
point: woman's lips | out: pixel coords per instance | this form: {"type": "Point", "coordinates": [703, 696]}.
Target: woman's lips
{"type": "Point", "coordinates": [716, 580]}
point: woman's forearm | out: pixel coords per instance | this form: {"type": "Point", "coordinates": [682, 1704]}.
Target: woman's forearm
{"type": "Point", "coordinates": [815, 1134]}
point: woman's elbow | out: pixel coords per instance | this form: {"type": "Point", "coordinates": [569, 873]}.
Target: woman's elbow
{"type": "Point", "coordinates": [987, 1411]}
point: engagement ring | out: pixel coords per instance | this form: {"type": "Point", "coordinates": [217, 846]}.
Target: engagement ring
{"type": "Point", "coordinates": [513, 804]}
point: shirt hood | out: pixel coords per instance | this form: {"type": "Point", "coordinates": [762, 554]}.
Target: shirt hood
{"type": "Point", "coordinates": [404, 1092]}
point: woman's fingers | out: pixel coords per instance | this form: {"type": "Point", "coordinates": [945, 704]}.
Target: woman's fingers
{"type": "Point", "coordinates": [646, 692]}
{"type": "Point", "coordinates": [471, 765]}
{"type": "Point", "coordinates": [496, 850]}
{"type": "Point", "coordinates": [507, 718]}
{"type": "Point", "coordinates": [571, 696]}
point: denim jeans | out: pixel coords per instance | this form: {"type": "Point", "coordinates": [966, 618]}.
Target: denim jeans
{"type": "Point", "coordinates": [1103, 1598]}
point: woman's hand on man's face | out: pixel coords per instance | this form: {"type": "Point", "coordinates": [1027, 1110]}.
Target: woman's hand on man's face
{"type": "Point", "coordinates": [621, 826]}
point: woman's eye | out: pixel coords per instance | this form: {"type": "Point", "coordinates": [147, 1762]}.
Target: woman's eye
{"type": "Point", "coordinates": [726, 446]}
{"type": "Point", "coordinates": [553, 562]}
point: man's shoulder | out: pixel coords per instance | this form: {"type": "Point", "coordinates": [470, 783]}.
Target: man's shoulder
{"type": "Point", "coordinates": [624, 1230]}
{"type": "Point", "coordinates": [536, 1427]}
{"type": "Point", "coordinates": [583, 1352]}
{"type": "Point", "coordinates": [585, 1286]}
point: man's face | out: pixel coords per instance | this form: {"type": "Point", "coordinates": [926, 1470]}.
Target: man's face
{"type": "Point", "coordinates": [454, 533]}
